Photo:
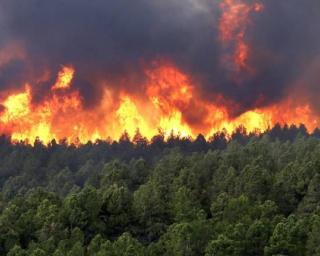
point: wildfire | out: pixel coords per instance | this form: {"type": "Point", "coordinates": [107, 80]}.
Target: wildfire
{"type": "Point", "coordinates": [167, 97]}
{"type": "Point", "coordinates": [168, 102]}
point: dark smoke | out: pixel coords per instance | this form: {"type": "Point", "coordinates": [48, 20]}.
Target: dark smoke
{"type": "Point", "coordinates": [109, 40]}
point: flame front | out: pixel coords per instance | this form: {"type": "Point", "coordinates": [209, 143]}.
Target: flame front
{"type": "Point", "coordinates": [168, 100]}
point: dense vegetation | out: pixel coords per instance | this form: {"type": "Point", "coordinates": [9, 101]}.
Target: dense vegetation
{"type": "Point", "coordinates": [249, 195]}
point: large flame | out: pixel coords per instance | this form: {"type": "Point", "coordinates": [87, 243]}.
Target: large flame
{"type": "Point", "coordinates": [169, 103]}
{"type": "Point", "coordinates": [169, 98]}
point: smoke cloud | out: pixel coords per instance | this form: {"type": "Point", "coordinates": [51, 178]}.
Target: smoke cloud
{"type": "Point", "coordinates": [107, 41]}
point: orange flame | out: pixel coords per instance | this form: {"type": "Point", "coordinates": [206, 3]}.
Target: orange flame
{"type": "Point", "coordinates": [233, 25]}
{"type": "Point", "coordinates": [170, 104]}
{"type": "Point", "coordinates": [65, 77]}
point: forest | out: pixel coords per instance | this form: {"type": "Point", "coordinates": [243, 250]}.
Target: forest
{"type": "Point", "coordinates": [244, 194]}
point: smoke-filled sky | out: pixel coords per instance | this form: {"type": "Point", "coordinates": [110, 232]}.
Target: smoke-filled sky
{"type": "Point", "coordinates": [110, 42]}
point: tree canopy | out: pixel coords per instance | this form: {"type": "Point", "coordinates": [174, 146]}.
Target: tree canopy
{"type": "Point", "coordinates": [247, 194]}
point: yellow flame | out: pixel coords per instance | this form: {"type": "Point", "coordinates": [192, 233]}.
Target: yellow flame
{"type": "Point", "coordinates": [16, 106]}
{"type": "Point", "coordinates": [64, 79]}
{"type": "Point", "coordinates": [169, 98]}
{"type": "Point", "coordinates": [39, 131]}
{"type": "Point", "coordinates": [252, 121]}
{"type": "Point", "coordinates": [130, 119]}
{"type": "Point", "coordinates": [173, 125]}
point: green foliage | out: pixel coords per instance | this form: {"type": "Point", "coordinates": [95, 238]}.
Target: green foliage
{"type": "Point", "coordinates": [116, 208]}
{"type": "Point", "coordinates": [17, 251]}
{"type": "Point", "coordinates": [288, 238]}
{"type": "Point", "coordinates": [313, 242]}
{"type": "Point", "coordinates": [222, 246]}
{"type": "Point", "coordinates": [250, 196]}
